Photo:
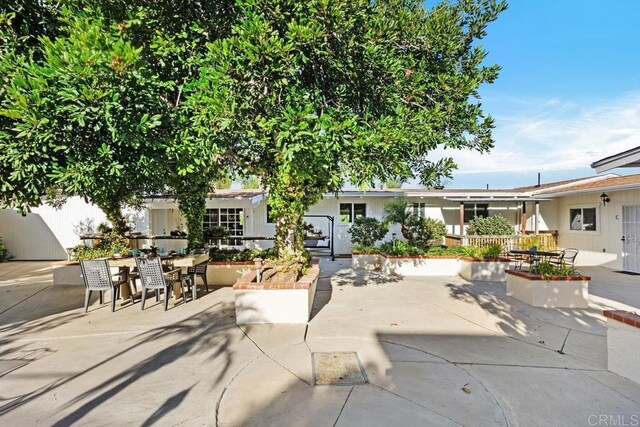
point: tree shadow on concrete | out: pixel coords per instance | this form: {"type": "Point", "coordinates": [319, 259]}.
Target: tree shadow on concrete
{"type": "Point", "coordinates": [362, 277]}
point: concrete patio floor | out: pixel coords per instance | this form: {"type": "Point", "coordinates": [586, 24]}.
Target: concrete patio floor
{"type": "Point", "coordinates": [436, 351]}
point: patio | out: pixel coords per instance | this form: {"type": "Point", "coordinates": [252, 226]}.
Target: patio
{"type": "Point", "coordinates": [436, 350]}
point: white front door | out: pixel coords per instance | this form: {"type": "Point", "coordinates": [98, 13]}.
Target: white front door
{"type": "Point", "coordinates": [631, 238]}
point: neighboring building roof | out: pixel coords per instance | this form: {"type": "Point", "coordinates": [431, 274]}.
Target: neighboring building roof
{"type": "Point", "coordinates": [611, 183]}
{"type": "Point", "coordinates": [625, 159]}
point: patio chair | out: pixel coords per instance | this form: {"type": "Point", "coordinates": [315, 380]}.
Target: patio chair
{"type": "Point", "coordinates": [556, 258]}
{"type": "Point", "coordinates": [516, 259]}
{"type": "Point", "coordinates": [200, 271]}
{"type": "Point", "coordinates": [152, 276]}
{"type": "Point", "coordinates": [569, 256]}
{"type": "Point", "coordinates": [97, 277]}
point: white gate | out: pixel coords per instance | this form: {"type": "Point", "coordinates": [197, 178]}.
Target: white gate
{"type": "Point", "coordinates": [631, 238]}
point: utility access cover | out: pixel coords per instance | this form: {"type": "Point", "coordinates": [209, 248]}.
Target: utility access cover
{"type": "Point", "coordinates": [338, 368]}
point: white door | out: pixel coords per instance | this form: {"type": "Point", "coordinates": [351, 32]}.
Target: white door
{"type": "Point", "coordinates": [631, 238]}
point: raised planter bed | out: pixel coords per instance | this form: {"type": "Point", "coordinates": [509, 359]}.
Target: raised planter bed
{"type": "Point", "coordinates": [67, 273]}
{"type": "Point", "coordinates": [484, 270]}
{"type": "Point", "coordinates": [548, 292]}
{"type": "Point", "coordinates": [275, 302]}
{"type": "Point", "coordinates": [623, 343]}
{"type": "Point", "coordinates": [421, 265]}
{"type": "Point", "coordinates": [367, 261]}
{"type": "Point", "coordinates": [227, 273]}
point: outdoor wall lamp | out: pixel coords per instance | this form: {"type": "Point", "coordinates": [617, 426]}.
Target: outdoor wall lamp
{"type": "Point", "coordinates": [605, 198]}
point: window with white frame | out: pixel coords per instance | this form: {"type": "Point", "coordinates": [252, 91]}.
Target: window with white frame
{"type": "Point", "coordinates": [583, 219]}
{"type": "Point", "coordinates": [418, 209]}
{"type": "Point", "coordinates": [472, 210]}
{"type": "Point", "coordinates": [231, 219]}
{"type": "Point", "coordinates": [351, 211]}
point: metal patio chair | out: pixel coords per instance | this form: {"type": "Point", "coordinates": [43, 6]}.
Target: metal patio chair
{"type": "Point", "coordinates": [569, 256]}
{"type": "Point", "coordinates": [97, 276]}
{"type": "Point", "coordinates": [200, 271]}
{"type": "Point", "coordinates": [152, 276]}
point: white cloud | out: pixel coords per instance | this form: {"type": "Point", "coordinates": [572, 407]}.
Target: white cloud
{"type": "Point", "coordinates": [553, 134]}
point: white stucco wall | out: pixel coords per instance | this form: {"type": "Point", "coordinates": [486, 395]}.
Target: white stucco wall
{"type": "Point", "coordinates": [46, 232]}
{"type": "Point", "coordinates": [603, 246]}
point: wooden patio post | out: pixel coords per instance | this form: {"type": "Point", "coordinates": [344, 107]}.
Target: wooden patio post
{"type": "Point", "coordinates": [461, 219]}
{"type": "Point", "coordinates": [523, 225]}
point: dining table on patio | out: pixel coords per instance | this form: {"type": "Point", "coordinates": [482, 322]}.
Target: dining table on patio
{"type": "Point", "coordinates": [174, 261]}
{"type": "Point", "coordinates": [534, 256]}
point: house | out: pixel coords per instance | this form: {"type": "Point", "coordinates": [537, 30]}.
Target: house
{"type": "Point", "coordinates": [602, 228]}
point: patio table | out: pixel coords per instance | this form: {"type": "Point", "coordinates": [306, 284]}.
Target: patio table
{"type": "Point", "coordinates": [534, 256]}
{"type": "Point", "coordinates": [180, 261]}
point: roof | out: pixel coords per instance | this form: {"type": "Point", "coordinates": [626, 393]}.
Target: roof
{"type": "Point", "coordinates": [610, 183]}
{"type": "Point", "coordinates": [624, 159]}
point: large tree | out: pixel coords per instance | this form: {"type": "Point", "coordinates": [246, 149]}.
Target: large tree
{"type": "Point", "coordinates": [103, 116]}
{"type": "Point", "coordinates": [310, 95]}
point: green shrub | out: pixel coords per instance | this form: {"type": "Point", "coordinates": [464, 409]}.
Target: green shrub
{"type": "Point", "coordinates": [546, 269]}
{"type": "Point", "coordinates": [4, 255]}
{"type": "Point", "coordinates": [365, 250]}
{"type": "Point", "coordinates": [425, 231]}
{"type": "Point", "coordinates": [483, 252]}
{"type": "Point", "coordinates": [230, 255]}
{"type": "Point", "coordinates": [401, 248]}
{"type": "Point", "coordinates": [442, 250]}
{"type": "Point", "coordinates": [367, 231]}
{"type": "Point", "coordinates": [112, 243]}
{"type": "Point", "coordinates": [495, 225]}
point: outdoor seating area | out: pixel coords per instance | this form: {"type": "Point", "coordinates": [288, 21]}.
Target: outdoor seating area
{"type": "Point", "coordinates": [450, 333]}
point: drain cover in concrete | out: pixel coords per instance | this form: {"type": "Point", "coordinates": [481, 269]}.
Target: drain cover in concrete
{"type": "Point", "coordinates": [337, 368]}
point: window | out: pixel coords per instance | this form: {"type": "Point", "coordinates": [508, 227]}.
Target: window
{"type": "Point", "coordinates": [472, 210]}
{"type": "Point", "coordinates": [582, 219]}
{"type": "Point", "coordinates": [418, 209]}
{"type": "Point", "coordinates": [350, 211]}
{"type": "Point", "coordinates": [231, 219]}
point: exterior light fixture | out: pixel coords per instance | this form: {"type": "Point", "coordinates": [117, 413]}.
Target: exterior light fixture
{"type": "Point", "coordinates": [605, 198]}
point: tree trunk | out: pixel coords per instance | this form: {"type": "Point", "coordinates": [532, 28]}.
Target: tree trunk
{"type": "Point", "coordinates": [192, 200]}
{"type": "Point", "coordinates": [113, 213]}
{"type": "Point", "coordinates": [289, 240]}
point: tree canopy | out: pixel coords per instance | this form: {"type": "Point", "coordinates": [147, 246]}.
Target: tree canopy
{"type": "Point", "coordinates": [112, 99]}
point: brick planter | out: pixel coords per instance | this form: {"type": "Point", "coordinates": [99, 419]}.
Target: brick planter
{"type": "Point", "coordinates": [554, 291]}
{"type": "Point", "coordinates": [275, 302]}
{"type": "Point", "coordinates": [484, 270]}
{"type": "Point", "coordinates": [623, 343]}
{"type": "Point", "coordinates": [227, 273]}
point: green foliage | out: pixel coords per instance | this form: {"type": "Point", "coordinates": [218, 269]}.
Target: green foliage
{"type": "Point", "coordinates": [109, 245]}
{"type": "Point", "coordinates": [366, 231]}
{"type": "Point", "coordinates": [546, 270]}
{"type": "Point", "coordinates": [216, 232]}
{"type": "Point", "coordinates": [216, 254]}
{"type": "Point", "coordinates": [396, 212]}
{"type": "Point", "coordinates": [483, 252]}
{"type": "Point", "coordinates": [308, 95]}
{"type": "Point", "coordinates": [446, 250]}
{"type": "Point", "coordinates": [400, 248]}
{"type": "Point", "coordinates": [495, 225]}
{"type": "Point", "coordinates": [365, 250]}
{"type": "Point", "coordinates": [424, 231]}
{"type": "Point", "coordinates": [250, 183]}
{"type": "Point", "coordinates": [4, 255]}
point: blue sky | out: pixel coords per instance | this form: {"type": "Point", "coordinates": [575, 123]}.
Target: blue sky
{"type": "Point", "coordinates": [568, 93]}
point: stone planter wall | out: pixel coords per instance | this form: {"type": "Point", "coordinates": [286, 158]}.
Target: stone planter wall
{"type": "Point", "coordinates": [227, 273]}
{"type": "Point", "coordinates": [275, 302]}
{"type": "Point", "coordinates": [484, 270]}
{"type": "Point", "coordinates": [421, 266]}
{"type": "Point", "coordinates": [623, 343]}
{"type": "Point", "coordinates": [367, 261]}
{"type": "Point", "coordinates": [67, 273]}
{"type": "Point", "coordinates": [555, 291]}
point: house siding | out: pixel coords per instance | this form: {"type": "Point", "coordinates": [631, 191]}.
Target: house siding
{"type": "Point", "coordinates": [604, 246]}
